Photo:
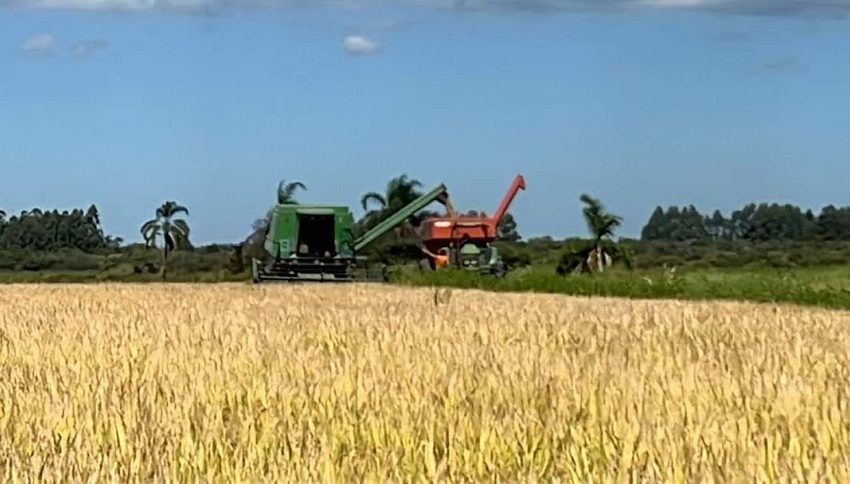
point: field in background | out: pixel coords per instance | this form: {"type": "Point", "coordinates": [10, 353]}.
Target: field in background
{"type": "Point", "coordinates": [306, 383]}
{"type": "Point", "coordinates": [824, 286]}
{"type": "Point", "coordinates": [827, 287]}
{"type": "Point", "coordinates": [815, 274]}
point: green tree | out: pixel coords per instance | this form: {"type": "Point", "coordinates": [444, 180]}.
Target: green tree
{"type": "Point", "coordinates": [833, 223]}
{"type": "Point", "coordinates": [810, 225]}
{"type": "Point", "coordinates": [692, 226]}
{"type": "Point", "coordinates": [601, 225]}
{"type": "Point", "coordinates": [653, 228]}
{"type": "Point", "coordinates": [286, 192]}
{"type": "Point", "coordinates": [716, 225]}
{"type": "Point", "coordinates": [252, 246]}
{"type": "Point", "coordinates": [173, 232]}
{"type": "Point", "coordinates": [48, 230]}
{"type": "Point", "coordinates": [93, 236]}
{"type": "Point", "coordinates": [508, 229]}
{"type": "Point", "coordinates": [399, 192]}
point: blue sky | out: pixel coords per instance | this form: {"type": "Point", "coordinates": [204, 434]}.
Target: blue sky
{"type": "Point", "coordinates": [127, 103]}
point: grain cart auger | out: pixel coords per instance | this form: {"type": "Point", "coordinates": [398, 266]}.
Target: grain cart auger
{"type": "Point", "coordinates": [315, 242]}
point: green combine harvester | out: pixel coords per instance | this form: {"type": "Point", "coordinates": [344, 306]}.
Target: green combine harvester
{"type": "Point", "coordinates": [316, 243]}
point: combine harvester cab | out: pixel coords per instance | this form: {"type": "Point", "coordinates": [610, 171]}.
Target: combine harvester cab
{"type": "Point", "coordinates": [316, 243]}
{"type": "Point", "coordinates": [307, 242]}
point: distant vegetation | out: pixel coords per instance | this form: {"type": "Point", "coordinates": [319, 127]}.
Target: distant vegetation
{"type": "Point", "coordinates": [51, 230]}
{"type": "Point", "coordinates": [42, 244]}
{"type": "Point", "coordinates": [752, 223]}
{"type": "Point", "coordinates": [827, 286]}
{"type": "Point", "coordinates": [174, 232]}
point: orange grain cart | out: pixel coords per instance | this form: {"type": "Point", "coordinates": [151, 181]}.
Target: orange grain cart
{"type": "Point", "coordinates": [465, 241]}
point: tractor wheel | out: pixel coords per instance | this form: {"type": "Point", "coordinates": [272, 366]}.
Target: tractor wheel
{"type": "Point", "coordinates": [499, 271]}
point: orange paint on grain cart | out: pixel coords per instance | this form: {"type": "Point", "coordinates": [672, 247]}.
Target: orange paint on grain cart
{"type": "Point", "coordinates": [439, 232]}
{"type": "Point", "coordinates": [449, 234]}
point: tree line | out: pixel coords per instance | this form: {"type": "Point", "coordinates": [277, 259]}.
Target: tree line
{"type": "Point", "coordinates": [754, 223]}
{"type": "Point", "coordinates": [51, 230]}
{"type": "Point", "coordinates": [38, 230]}
{"type": "Point", "coordinates": [80, 229]}
{"type": "Point", "coordinates": [48, 231]}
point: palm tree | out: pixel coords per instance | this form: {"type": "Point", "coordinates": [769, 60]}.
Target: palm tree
{"type": "Point", "coordinates": [286, 192]}
{"type": "Point", "coordinates": [601, 225]}
{"type": "Point", "coordinates": [253, 244]}
{"type": "Point", "coordinates": [174, 232]}
{"type": "Point", "coordinates": [399, 192]}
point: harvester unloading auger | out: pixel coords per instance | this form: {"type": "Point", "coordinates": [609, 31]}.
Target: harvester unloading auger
{"type": "Point", "coordinates": [315, 242]}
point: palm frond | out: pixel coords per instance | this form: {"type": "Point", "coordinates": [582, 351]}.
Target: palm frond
{"type": "Point", "coordinates": [600, 223]}
{"type": "Point", "coordinates": [373, 197]}
{"type": "Point", "coordinates": [285, 191]}
{"type": "Point", "coordinates": [147, 226]}
{"type": "Point", "coordinates": [151, 234]}
{"type": "Point", "coordinates": [175, 209]}
{"type": "Point", "coordinates": [296, 185]}
{"type": "Point", "coordinates": [181, 227]}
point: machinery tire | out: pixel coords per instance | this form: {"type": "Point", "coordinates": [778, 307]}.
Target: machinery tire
{"type": "Point", "coordinates": [499, 271]}
{"type": "Point", "coordinates": [255, 272]}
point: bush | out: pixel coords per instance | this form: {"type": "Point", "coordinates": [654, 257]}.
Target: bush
{"type": "Point", "coordinates": [778, 259]}
{"type": "Point", "coordinates": [74, 260]}
{"type": "Point", "coordinates": [573, 257]}
{"type": "Point", "coordinates": [64, 260]}
{"type": "Point", "coordinates": [514, 257]}
{"type": "Point", "coordinates": [189, 262]}
{"type": "Point", "coordinates": [9, 260]}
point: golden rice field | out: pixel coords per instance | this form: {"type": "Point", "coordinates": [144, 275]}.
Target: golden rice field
{"type": "Point", "coordinates": [220, 383]}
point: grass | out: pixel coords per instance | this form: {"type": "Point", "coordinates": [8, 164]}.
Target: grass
{"type": "Point", "coordinates": [92, 276]}
{"type": "Point", "coordinates": [827, 287]}
{"type": "Point", "coordinates": [364, 383]}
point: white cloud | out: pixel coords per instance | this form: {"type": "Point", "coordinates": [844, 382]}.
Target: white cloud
{"type": "Point", "coordinates": [804, 8]}
{"type": "Point", "coordinates": [85, 48]}
{"type": "Point", "coordinates": [677, 3]}
{"type": "Point", "coordinates": [359, 45]}
{"type": "Point", "coordinates": [41, 44]}
{"type": "Point", "coordinates": [45, 45]}
{"type": "Point", "coordinates": [782, 66]}
{"type": "Point", "coordinates": [122, 5]}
